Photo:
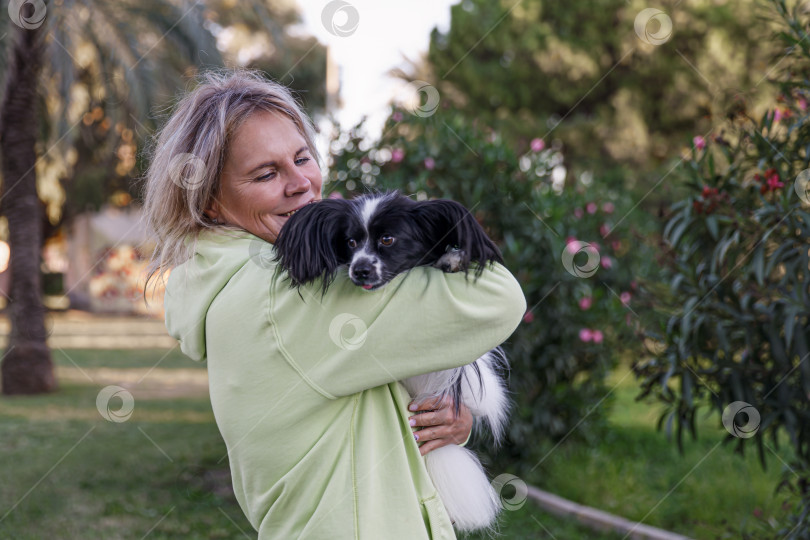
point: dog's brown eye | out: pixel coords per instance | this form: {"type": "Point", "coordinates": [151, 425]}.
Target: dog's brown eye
{"type": "Point", "coordinates": [352, 243]}
{"type": "Point", "coordinates": [387, 240]}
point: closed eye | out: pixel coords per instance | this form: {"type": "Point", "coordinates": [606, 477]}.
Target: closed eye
{"type": "Point", "coordinates": [272, 174]}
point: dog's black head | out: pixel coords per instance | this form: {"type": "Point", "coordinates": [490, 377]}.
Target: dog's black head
{"type": "Point", "coordinates": [378, 236]}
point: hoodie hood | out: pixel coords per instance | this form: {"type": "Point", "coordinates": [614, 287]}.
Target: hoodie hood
{"type": "Point", "coordinates": [193, 285]}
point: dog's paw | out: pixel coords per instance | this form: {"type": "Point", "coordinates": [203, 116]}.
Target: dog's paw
{"type": "Point", "coordinates": [452, 261]}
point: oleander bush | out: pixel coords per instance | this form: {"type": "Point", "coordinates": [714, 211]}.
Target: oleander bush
{"type": "Point", "coordinates": [571, 245]}
{"type": "Point", "coordinates": [737, 299]}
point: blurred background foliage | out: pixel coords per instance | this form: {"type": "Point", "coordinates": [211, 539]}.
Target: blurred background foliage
{"type": "Point", "coordinates": [577, 71]}
{"type": "Point", "coordinates": [115, 69]}
{"type": "Point", "coordinates": [734, 294]}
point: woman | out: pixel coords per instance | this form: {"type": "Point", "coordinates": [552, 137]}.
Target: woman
{"type": "Point", "coordinates": [303, 388]}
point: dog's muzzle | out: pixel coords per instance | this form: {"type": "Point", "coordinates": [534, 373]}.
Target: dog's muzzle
{"type": "Point", "coordinates": [364, 274]}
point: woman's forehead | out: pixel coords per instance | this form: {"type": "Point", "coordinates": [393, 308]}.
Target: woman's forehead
{"type": "Point", "coordinates": [269, 133]}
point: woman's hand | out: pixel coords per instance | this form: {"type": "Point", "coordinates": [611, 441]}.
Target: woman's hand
{"type": "Point", "coordinates": [440, 426]}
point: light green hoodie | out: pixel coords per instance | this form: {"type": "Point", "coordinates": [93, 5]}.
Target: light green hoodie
{"type": "Point", "coordinates": [304, 390]}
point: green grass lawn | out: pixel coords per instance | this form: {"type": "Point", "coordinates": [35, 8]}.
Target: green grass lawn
{"type": "Point", "coordinates": [707, 492]}
{"type": "Point", "coordinates": [68, 473]}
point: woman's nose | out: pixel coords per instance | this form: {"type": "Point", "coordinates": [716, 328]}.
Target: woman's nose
{"type": "Point", "coordinates": [297, 183]}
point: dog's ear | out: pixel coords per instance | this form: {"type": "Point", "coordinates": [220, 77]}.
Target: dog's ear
{"type": "Point", "coordinates": [446, 223]}
{"type": "Point", "coordinates": [307, 246]}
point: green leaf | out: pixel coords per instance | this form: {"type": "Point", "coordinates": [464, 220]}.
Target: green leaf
{"type": "Point", "coordinates": [676, 282]}
{"type": "Point", "coordinates": [686, 320]}
{"type": "Point", "coordinates": [678, 232]}
{"type": "Point", "coordinates": [721, 337]}
{"type": "Point", "coordinates": [711, 223]}
{"type": "Point", "coordinates": [758, 262]}
{"type": "Point", "coordinates": [790, 324]}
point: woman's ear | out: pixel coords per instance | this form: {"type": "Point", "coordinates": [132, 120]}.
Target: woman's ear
{"type": "Point", "coordinates": [212, 211]}
{"type": "Point", "coordinates": [446, 223]}
{"type": "Point", "coordinates": [309, 244]}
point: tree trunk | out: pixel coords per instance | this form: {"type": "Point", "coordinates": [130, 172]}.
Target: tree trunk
{"type": "Point", "coordinates": [27, 367]}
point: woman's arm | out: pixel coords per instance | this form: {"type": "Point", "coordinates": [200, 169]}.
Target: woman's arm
{"type": "Point", "coordinates": [425, 320]}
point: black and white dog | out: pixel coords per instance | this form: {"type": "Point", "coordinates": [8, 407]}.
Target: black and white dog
{"type": "Point", "coordinates": [379, 236]}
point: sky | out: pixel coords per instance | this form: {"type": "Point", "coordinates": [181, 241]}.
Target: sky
{"type": "Point", "coordinates": [377, 35]}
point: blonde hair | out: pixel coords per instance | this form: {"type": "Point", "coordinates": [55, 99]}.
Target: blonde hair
{"type": "Point", "coordinates": [189, 151]}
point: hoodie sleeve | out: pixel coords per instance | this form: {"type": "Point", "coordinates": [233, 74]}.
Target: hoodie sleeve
{"type": "Point", "coordinates": [425, 320]}
{"type": "Point", "coordinates": [193, 286]}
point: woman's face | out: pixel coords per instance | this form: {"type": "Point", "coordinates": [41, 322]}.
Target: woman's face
{"type": "Point", "coordinates": [269, 171]}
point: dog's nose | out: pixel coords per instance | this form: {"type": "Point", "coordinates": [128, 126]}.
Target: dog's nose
{"type": "Point", "coordinates": [362, 272]}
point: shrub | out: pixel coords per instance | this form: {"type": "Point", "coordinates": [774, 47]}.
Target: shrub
{"type": "Point", "coordinates": [736, 339]}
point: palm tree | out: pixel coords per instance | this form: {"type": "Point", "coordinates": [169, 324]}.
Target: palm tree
{"type": "Point", "coordinates": [133, 53]}
{"type": "Point", "coordinates": [27, 367]}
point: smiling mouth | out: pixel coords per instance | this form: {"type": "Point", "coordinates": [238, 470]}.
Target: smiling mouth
{"type": "Point", "coordinates": [288, 214]}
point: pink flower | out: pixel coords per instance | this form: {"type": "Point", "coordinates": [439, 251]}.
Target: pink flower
{"type": "Point", "coordinates": [803, 104]}
{"type": "Point", "coordinates": [597, 336]}
{"type": "Point", "coordinates": [397, 154]}
{"type": "Point", "coordinates": [578, 213]}
{"type": "Point", "coordinates": [777, 114]}
{"type": "Point", "coordinates": [585, 335]}
{"type": "Point", "coordinates": [699, 142]}
{"type": "Point", "coordinates": [537, 145]}
{"type": "Point", "coordinates": [590, 207]}
{"type": "Point", "coordinates": [397, 116]}
{"type": "Point", "coordinates": [607, 262]}
{"type": "Point", "coordinates": [572, 245]}
{"type": "Point", "coordinates": [335, 195]}
{"type": "Point", "coordinates": [633, 285]}
{"type": "Point", "coordinates": [625, 297]}
{"type": "Point", "coordinates": [429, 163]}
{"type": "Point", "coordinates": [585, 302]}
{"type": "Point", "coordinates": [528, 316]}
{"type": "Point", "coordinates": [608, 208]}
{"type": "Point", "coordinates": [604, 230]}
{"type": "Point", "coordinates": [616, 245]}
{"type": "Point", "coordinates": [773, 182]}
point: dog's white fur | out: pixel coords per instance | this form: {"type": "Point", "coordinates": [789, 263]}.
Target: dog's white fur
{"type": "Point", "coordinates": [457, 474]}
